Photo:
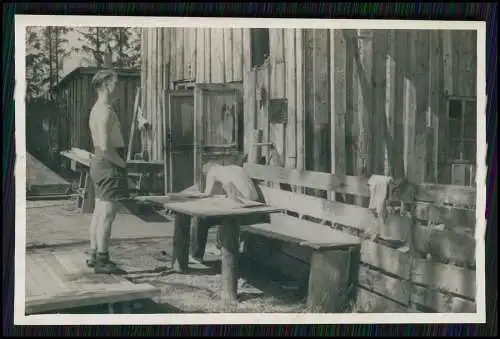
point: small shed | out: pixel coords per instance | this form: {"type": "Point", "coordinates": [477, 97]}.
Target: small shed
{"type": "Point", "coordinates": [75, 96]}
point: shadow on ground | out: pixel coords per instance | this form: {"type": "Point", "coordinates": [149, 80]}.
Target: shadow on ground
{"type": "Point", "coordinates": [144, 306]}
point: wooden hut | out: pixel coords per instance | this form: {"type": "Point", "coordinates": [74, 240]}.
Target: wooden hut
{"type": "Point", "coordinates": [76, 97]}
{"type": "Point", "coordinates": [357, 101]}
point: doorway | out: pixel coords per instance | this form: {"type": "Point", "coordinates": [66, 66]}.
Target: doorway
{"type": "Point", "coordinates": [180, 137]}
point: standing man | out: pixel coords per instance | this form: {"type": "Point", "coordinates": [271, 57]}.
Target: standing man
{"type": "Point", "coordinates": [230, 180]}
{"type": "Point", "coordinates": [107, 170]}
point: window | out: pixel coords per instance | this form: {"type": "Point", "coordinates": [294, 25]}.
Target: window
{"type": "Point", "coordinates": [259, 38]}
{"type": "Point", "coordinates": [462, 130]}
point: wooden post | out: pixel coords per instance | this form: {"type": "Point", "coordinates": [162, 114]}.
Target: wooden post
{"type": "Point", "coordinates": [338, 102]}
{"type": "Point", "coordinates": [364, 84]}
{"type": "Point", "coordinates": [255, 150]}
{"type": "Point", "coordinates": [181, 243]}
{"type": "Point", "coordinates": [229, 233]}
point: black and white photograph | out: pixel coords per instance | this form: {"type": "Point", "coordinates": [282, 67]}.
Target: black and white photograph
{"type": "Point", "coordinates": [219, 170]}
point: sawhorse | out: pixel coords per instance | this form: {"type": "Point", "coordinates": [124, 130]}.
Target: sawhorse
{"type": "Point", "coordinates": [85, 200]}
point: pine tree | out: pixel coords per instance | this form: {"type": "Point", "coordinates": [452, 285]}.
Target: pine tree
{"type": "Point", "coordinates": [94, 41]}
{"type": "Point", "coordinates": [37, 62]}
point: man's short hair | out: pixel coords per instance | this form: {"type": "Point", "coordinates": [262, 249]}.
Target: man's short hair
{"type": "Point", "coordinates": [101, 76]}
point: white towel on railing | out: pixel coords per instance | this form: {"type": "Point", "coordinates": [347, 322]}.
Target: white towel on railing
{"type": "Point", "coordinates": [379, 188]}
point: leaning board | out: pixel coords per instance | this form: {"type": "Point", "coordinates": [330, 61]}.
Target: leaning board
{"type": "Point", "coordinates": [60, 280]}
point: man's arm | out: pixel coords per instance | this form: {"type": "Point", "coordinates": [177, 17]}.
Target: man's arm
{"type": "Point", "coordinates": [109, 151]}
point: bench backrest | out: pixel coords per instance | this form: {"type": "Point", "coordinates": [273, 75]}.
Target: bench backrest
{"type": "Point", "coordinates": [444, 284]}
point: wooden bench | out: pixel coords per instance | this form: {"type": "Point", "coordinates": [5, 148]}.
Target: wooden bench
{"type": "Point", "coordinates": [412, 264]}
{"type": "Point", "coordinates": [323, 259]}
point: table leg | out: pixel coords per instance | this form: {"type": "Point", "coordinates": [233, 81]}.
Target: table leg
{"type": "Point", "coordinates": [181, 243]}
{"type": "Point", "coordinates": [229, 233]}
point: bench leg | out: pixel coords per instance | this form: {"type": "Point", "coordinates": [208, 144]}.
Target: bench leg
{"type": "Point", "coordinates": [329, 281]}
{"type": "Point", "coordinates": [229, 233]}
{"type": "Point", "coordinates": [181, 243]}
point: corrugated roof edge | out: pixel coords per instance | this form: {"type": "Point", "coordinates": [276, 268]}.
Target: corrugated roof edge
{"type": "Point", "coordinates": [92, 70]}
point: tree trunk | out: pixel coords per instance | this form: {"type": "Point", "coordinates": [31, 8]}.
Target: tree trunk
{"type": "Point", "coordinates": [49, 38]}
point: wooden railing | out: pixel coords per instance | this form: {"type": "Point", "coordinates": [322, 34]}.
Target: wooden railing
{"type": "Point", "coordinates": [423, 258]}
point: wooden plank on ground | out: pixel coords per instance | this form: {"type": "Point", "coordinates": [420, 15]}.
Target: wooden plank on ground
{"type": "Point", "coordinates": [68, 283]}
{"type": "Point", "coordinates": [460, 281]}
{"type": "Point", "coordinates": [376, 281]}
{"type": "Point", "coordinates": [441, 302]}
{"type": "Point", "coordinates": [369, 302]}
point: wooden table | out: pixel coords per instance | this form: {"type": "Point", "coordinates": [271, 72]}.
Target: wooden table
{"type": "Point", "coordinates": [229, 212]}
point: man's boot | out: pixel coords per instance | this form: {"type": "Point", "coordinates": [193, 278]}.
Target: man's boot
{"type": "Point", "coordinates": [104, 266]}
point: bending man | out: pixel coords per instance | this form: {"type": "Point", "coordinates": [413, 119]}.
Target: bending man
{"type": "Point", "coordinates": [230, 180]}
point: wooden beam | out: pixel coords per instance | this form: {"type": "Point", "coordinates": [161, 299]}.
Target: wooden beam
{"type": "Point", "coordinates": [364, 83]}
{"type": "Point", "coordinates": [299, 54]}
{"type": "Point", "coordinates": [390, 103]}
{"type": "Point", "coordinates": [291, 95]}
{"type": "Point", "coordinates": [338, 101]}
{"type": "Point", "coordinates": [321, 97]}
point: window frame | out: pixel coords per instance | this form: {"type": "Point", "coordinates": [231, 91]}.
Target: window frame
{"type": "Point", "coordinates": [463, 100]}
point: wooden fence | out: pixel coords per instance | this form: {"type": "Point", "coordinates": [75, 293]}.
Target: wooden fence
{"type": "Point", "coordinates": [423, 257]}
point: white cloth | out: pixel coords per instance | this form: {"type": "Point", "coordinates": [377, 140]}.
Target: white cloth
{"type": "Point", "coordinates": [224, 179]}
{"type": "Point", "coordinates": [379, 187]}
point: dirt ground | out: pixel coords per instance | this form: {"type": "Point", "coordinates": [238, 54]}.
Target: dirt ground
{"type": "Point", "coordinates": [143, 248]}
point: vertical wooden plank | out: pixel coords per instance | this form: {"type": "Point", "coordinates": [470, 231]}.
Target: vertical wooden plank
{"type": "Point", "coordinates": [247, 50]}
{"type": "Point", "coordinates": [228, 54]}
{"type": "Point", "coordinates": [422, 120]}
{"type": "Point", "coordinates": [390, 102]}
{"type": "Point", "coordinates": [435, 87]}
{"type": "Point", "coordinates": [198, 120]}
{"type": "Point", "coordinates": [321, 95]}
{"type": "Point", "coordinates": [189, 53]}
{"type": "Point", "coordinates": [364, 84]}
{"type": "Point", "coordinates": [159, 116]}
{"type": "Point", "coordinates": [401, 58]}
{"type": "Point", "coordinates": [467, 62]}
{"type": "Point", "coordinates": [277, 82]}
{"type": "Point", "coordinates": [250, 119]}
{"type": "Point", "coordinates": [308, 97]}
{"type": "Point", "coordinates": [217, 55]}
{"type": "Point", "coordinates": [144, 62]}
{"type": "Point", "coordinates": [338, 104]}
{"type": "Point", "coordinates": [154, 91]}
{"type": "Point", "coordinates": [446, 37]}
{"type": "Point", "coordinates": [200, 55]}
{"type": "Point", "coordinates": [249, 88]}
{"type": "Point", "coordinates": [291, 95]}
{"type": "Point", "coordinates": [410, 111]}
{"type": "Point", "coordinates": [379, 122]}
{"type": "Point", "coordinates": [179, 54]}
{"type": "Point", "coordinates": [173, 57]}
{"type": "Point", "coordinates": [238, 54]}
{"type": "Point", "coordinates": [208, 55]}
{"type": "Point", "coordinates": [299, 57]}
